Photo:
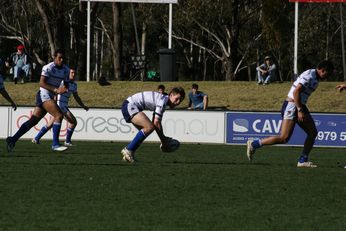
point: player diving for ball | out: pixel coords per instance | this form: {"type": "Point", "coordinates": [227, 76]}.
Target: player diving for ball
{"type": "Point", "coordinates": [62, 101]}
{"type": "Point", "coordinates": [294, 111]}
{"type": "Point", "coordinates": [132, 110]}
{"type": "Point", "coordinates": [51, 76]}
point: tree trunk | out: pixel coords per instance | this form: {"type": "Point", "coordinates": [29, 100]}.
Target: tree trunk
{"type": "Point", "coordinates": [116, 41]}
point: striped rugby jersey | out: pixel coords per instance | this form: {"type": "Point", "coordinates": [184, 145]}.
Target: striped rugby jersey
{"type": "Point", "coordinates": [309, 81]}
{"type": "Point", "coordinates": [55, 75]}
{"type": "Point", "coordinates": [150, 100]}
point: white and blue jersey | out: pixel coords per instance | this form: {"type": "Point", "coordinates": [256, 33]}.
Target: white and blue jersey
{"type": "Point", "coordinates": [147, 100]}
{"type": "Point", "coordinates": [62, 99]}
{"type": "Point", "coordinates": [309, 80]}
{"type": "Point", "coordinates": [54, 76]}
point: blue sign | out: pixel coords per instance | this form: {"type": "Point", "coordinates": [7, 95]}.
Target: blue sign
{"type": "Point", "coordinates": [242, 126]}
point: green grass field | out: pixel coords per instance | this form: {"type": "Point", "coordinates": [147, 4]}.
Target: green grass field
{"type": "Point", "coordinates": [199, 187]}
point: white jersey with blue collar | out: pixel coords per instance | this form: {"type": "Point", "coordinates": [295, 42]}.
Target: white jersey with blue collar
{"type": "Point", "coordinates": [150, 100]}
{"type": "Point", "coordinates": [54, 75]}
{"type": "Point", "coordinates": [310, 82]}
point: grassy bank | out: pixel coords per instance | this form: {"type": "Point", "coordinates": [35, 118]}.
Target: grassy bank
{"type": "Point", "coordinates": [230, 95]}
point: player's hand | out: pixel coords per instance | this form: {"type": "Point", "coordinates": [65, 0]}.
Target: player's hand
{"type": "Point", "coordinates": [14, 106]}
{"type": "Point", "coordinates": [62, 89]}
{"type": "Point", "coordinates": [301, 116]}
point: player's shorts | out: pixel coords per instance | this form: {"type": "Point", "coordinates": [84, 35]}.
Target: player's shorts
{"type": "Point", "coordinates": [43, 96]}
{"type": "Point", "coordinates": [289, 110]}
{"type": "Point", "coordinates": [63, 107]}
{"type": "Point", "coordinates": [129, 110]}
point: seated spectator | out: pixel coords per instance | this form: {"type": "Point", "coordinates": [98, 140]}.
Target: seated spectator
{"type": "Point", "coordinates": [266, 71]}
{"type": "Point", "coordinates": [197, 99]}
{"type": "Point", "coordinates": [161, 88]}
{"type": "Point", "coordinates": [21, 65]}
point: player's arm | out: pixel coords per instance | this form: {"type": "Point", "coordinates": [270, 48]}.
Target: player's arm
{"type": "Point", "coordinates": [297, 100]}
{"type": "Point", "coordinates": [5, 94]}
{"type": "Point", "coordinates": [79, 101]}
{"type": "Point", "coordinates": [45, 85]}
{"type": "Point", "coordinates": [158, 129]}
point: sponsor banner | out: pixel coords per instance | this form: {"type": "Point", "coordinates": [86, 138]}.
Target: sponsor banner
{"type": "Point", "coordinates": [4, 112]}
{"type": "Point", "coordinates": [108, 124]}
{"type": "Point", "coordinates": [242, 126]}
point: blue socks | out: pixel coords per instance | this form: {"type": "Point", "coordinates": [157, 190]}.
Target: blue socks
{"type": "Point", "coordinates": [56, 133]}
{"type": "Point", "coordinates": [22, 130]}
{"type": "Point", "coordinates": [41, 133]}
{"type": "Point", "coordinates": [139, 138]}
{"type": "Point", "coordinates": [69, 135]}
{"type": "Point", "coordinates": [256, 144]}
{"type": "Point", "coordinates": [303, 158]}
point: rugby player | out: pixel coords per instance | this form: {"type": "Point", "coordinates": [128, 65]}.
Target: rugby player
{"type": "Point", "coordinates": [132, 110]}
{"type": "Point", "coordinates": [294, 111]}
{"type": "Point", "coordinates": [62, 101]}
{"type": "Point", "coordinates": [50, 85]}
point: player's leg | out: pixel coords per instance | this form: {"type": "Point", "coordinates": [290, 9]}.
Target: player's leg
{"type": "Point", "coordinates": [71, 119]}
{"type": "Point", "coordinates": [25, 127]}
{"type": "Point", "coordinates": [53, 109]}
{"type": "Point", "coordinates": [289, 114]}
{"type": "Point", "coordinates": [145, 127]}
{"type": "Point", "coordinates": [308, 125]}
{"type": "Point", "coordinates": [43, 131]}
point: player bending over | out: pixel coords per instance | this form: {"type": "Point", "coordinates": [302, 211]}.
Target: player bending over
{"type": "Point", "coordinates": [132, 110]}
{"type": "Point", "coordinates": [294, 111]}
{"type": "Point", "coordinates": [62, 101]}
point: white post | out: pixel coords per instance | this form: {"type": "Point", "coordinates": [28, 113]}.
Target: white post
{"type": "Point", "coordinates": [295, 58]}
{"type": "Point", "coordinates": [170, 26]}
{"type": "Point", "coordinates": [88, 44]}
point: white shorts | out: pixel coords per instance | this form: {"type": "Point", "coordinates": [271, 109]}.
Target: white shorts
{"type": "Point", "coordinates": [290, 111]}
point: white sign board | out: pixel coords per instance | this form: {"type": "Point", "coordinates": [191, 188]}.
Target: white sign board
{"type": "Point", "coordinates": [109, 125]}
{"type": "Point", "coordinates": [4, 111]}
{"type": "Point", "coordinates": [134, 1]}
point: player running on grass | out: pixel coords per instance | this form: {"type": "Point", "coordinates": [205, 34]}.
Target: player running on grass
{"type": "Point", "coordinates": [62, 101]}
{"type": "Point", "coordinates": [132, 110]}
{"type": "Point", "coordinates": [51, 77]}
{"type": "Point", "coordinates": [294, 111]}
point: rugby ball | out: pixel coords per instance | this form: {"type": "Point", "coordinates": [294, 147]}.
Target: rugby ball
{"type": "Point", "coordinates": [170, 146]}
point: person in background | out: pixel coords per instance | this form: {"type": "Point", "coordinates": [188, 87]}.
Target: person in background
{"type": "Point", "coordinates": [266, 71]}
{"type": "Point", "coordinates": [161, 89]}
{"type": "Point", "coordinates": [21, 65]}
{"type": "Point", "coordinates": [62, 101]}
{"type": "Point", "coordinates": [294, 111]}
{"type": "Point", "coordinates": [197, 99]}
{"type": "Point", "coordinates": [132, 110]}
{"type": "Point", "coordinates": [50, 85]}
{"type": "Point", "coordinates": [4, 67]}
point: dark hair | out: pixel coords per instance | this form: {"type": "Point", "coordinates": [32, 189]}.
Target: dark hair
{"type": "Point", "coordinates": [327, 65]}
{"type": "Point", "coordinates": [161, 87]}
{"type": "Point", "coordinates": [178, 90]}
{"type": "Point", "coordinates": [59, 51]}
{"type": "Point", "coordinates": [195, 86]}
